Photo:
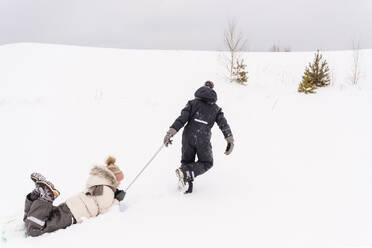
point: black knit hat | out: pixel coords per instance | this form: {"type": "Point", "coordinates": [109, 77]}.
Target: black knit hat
{"type": "Point", "coordinates": [209, 84]}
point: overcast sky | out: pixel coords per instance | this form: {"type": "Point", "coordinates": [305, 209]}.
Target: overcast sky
{"type": "Point", "coordinates": [188, 24]}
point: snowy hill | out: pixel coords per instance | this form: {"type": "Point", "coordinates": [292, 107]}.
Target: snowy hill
{"type": "Point", "coordinates": [300, 174]}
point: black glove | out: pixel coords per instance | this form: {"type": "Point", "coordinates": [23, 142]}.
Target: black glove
{"type": "Point", "coordinates": [119, 194]}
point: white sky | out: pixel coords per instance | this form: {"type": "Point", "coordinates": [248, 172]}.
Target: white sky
{"type": "Point", "coordinates": [188, 24]}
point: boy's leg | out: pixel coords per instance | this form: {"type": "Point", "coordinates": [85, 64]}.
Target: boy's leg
{"type": "Point", "coordinates": [60, 218]}
{"type": "Point", "coordinates": [188, 159]}
{"type": "Point", "coordinates": [30, 198]}
{"type": "Point", "coordinates": [205, 159]}
{"type": "Point", "coordinates": [43, 217]}
{"type": "Point", "coordinates": [37, 216]}
{"type": "Point", "coordinates": [188, 152]}
{"type": "Point", "coordinates": [40, 214]}
{"type": "Point", "coordinates": [184, 173]}
{"type": "Point", "coordinates": [46, 192]}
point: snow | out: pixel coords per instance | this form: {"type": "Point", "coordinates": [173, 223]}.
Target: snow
{"type": "Point", "coordinates": [300, 174]}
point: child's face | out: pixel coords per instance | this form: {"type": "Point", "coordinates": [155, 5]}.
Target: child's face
{"type": "Point", "coordinates": [119, 178]}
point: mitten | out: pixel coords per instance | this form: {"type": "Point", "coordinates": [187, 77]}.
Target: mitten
{"type": "Point", "coordinates": [230, 145]}
{"type": "Point", "coordinates": [167, 139]}
{"type": "Point", "coordinates": [119, 194]}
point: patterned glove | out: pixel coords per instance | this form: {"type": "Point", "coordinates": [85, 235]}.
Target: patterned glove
{"type": "Point", "coordinates": [230, 145]}
{"type": "Point", "coordinates": [119, 194]}
{"type": "Point", "coordinates": [167, 139]}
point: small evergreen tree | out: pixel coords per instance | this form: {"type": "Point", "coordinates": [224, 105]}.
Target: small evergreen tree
{"type": "Point", "coordinates": [306, 86]}
{"type": "Point", "coordinates": [239, 73]}
{"type": "Point", "coordinates": [316, 75]}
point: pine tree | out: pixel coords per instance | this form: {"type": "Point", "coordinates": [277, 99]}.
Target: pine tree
{"type": "Point", "coordinates": [239, 73]}
{"type": "Point", "coordinates": [306, 86]}
{"type": "Point", "coordinates": [316, 75]}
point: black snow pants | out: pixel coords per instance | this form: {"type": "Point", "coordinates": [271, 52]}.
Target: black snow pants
{"type": "Point", "coordinates": [192, 146]}
{"type": "Point", "coordinates": [42, 217]}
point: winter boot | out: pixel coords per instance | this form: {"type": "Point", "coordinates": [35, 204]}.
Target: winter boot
{"type": "Point", "coordinates": [37, 177]}
{"type": "Point", "coordinates": [45, 188]}
{"type": "Point", "coordinates": [186, 178]}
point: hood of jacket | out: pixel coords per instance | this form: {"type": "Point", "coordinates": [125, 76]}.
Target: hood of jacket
{"type": "Point", "coordinates": [100, 175]}
{"type": "Point", "coordinates": [206, 94]}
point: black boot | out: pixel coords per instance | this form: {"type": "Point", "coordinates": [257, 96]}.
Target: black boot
{"type": "Point", "coordinates": [186, 178]}
{"type": "Point", "coordinates": [189, 190]}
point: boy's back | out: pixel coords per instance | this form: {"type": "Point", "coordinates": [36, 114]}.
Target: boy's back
{"type": "Point", "coordinates": [201, 113]}
{"type": "Point", "coordinates": [199, 116]}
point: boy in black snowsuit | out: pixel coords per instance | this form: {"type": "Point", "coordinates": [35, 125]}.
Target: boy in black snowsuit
{"type": "Point", "coordinates": [200, 115]}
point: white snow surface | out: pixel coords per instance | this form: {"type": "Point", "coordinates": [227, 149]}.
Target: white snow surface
{"type": "Point", "coordinates": [300, 174]}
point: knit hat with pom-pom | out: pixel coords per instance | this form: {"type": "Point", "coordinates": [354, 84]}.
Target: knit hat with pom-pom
{"type": "Point", "coordinates": [209, 84]}
{"type": "Point", "coordinates": [110, 163]}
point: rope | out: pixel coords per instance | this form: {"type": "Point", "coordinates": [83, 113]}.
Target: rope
{"type": "Point", "coordinates": [152, 158]}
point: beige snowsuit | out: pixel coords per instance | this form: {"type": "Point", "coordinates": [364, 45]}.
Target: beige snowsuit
{"type": "Point", "coordinates": [98, 196]}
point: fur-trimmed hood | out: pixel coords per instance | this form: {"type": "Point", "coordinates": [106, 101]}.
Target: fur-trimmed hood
{"type": "Point", "coordinates": [100, 175]}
